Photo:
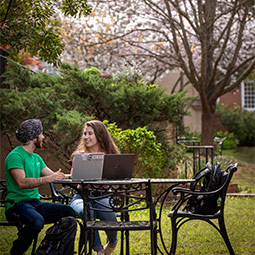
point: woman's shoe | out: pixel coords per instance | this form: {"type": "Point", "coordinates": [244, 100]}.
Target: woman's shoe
{"type": "Point", "coordinates": [109, 248]}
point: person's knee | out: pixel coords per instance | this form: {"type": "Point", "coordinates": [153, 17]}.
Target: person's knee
{"type": "Point", "coordinates": [69, 211]}
{"type": "Point", "coordinates": [77, 207]}
{"type": "Point", "coordinates": [37, 225]}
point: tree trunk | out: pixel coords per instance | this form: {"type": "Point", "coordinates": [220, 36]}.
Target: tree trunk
{"type": "Point", "coordinates": [208, 117]}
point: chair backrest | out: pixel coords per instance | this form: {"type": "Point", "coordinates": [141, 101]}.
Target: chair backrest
{"type": "Point", "coordinates": [231, 169]}
{"type": "Point", "coordinates": [211, 197]}
{"type": "Point", "coordinates": [3, 193]}
{"type": "Point", "coordinates": [123, 198]}
{"type": "Point", "coordinates": [3, 189]}
{"type": "Point", "coordinates": [208, 172]}
{"type": "Point", "coordinates": [198, 177]}
{"type": "Point", "coordinates": [221, 192]}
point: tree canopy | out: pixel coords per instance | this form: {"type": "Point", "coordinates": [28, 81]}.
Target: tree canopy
{"type": "Point", "coordinates": [31, 26]}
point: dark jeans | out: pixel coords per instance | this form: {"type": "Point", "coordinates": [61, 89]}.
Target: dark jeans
{"type": "Point", "coordinates": [33, 214]}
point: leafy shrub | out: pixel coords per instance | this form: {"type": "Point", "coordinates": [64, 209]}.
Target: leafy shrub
{"type": "Point", "coordinates": [152, 156]}
{"type": "Point", "coordinates": [239, 122]}
{"type": "Point", "coordinates": [64, 102]}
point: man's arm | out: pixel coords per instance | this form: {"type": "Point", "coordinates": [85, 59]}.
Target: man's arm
{"type": "Point", "coordinates": [27, 183]}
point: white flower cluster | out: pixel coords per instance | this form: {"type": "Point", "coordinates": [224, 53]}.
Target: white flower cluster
{"type": "Point", "coordinates": [128, 72]}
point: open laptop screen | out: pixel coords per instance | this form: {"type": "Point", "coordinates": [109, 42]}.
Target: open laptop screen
{"type": "Point", "coordinates": [97, 166]}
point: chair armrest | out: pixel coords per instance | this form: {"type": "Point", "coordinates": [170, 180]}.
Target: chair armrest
{"type": "Point", "coordinates": [180, 190]}
{"type": "Point", "coordinates": [59, 194]}
{"type": "Point", "coordinates": [45, 197]}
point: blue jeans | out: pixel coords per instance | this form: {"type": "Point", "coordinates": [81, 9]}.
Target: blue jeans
{"type": "Point", "coordinates": [33, 214]}
{"type": "Point", "coordinates": [77, 205]}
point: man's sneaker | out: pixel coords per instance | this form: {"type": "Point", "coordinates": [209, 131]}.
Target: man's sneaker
{"type": "Point", "coordinates": [100, 253]}
{"type": "Point", "coordinates": [108, 249]}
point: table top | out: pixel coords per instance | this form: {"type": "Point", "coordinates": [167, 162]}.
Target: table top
{"type": "Point", "coordinates": [127, 181]}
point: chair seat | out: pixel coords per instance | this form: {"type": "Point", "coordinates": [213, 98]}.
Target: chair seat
{"type": "Point", "coordinates": [112, 225]}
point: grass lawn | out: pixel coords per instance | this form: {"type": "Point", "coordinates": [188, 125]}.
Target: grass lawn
{"type": "Point", "coordinates": [194, 237]}
{"type": "Point", "coordinates": [245, 174]}
{"type": "Point", "coordinates": [245, 154]}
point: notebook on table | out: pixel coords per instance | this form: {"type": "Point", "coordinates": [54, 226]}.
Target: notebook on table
{"type": "Point", "coordinates": [97, 166]}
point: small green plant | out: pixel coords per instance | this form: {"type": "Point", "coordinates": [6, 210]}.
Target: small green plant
{"type": "Point", "coordinates": [244, 188]}
{"type": "Point", "coordinates": [184, 168]}
{"type": "Point", "coordinates": [92, 70]}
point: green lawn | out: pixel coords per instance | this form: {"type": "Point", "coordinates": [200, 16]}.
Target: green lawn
{"type": "Point", "coordinates": [195, 237]}
{"type": "Point", "coordinates": [245, 175]}
{"type": "Point", "coordinates": [244, 154]}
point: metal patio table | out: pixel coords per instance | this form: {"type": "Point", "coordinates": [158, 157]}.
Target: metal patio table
{"type": "Point", "coordinates": [162, 197]}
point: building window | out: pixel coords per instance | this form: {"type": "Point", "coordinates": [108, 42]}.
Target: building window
{"type": "Point", "coordinates": [248, 95]}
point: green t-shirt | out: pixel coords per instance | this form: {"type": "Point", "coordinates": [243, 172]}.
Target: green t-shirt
{"type": "Point", "coordinates": [32, 164]}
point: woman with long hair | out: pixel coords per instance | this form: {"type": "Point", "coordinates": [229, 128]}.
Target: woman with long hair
{"type": "Point", "coordinates": [96, 138]}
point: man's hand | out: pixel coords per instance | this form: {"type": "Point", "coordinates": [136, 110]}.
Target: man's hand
{"type": "Point", "coordinates": [58, 175]}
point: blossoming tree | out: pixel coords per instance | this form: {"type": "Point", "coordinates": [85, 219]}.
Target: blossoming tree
{"type": "Point", "coordinates": [211, 41]}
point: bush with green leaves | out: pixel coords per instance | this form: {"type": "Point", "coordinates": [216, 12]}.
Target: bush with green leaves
{"type": "Point", "coordinates": [152, 156]}
{"type": "Point", "coordinates": [239, 122]}
{"type": "Point", "coordinates": [128, 106]}
{"type": "Point", "coordinates": [46, 96]}
{"type": "Point", "coordinates": [64, 102]}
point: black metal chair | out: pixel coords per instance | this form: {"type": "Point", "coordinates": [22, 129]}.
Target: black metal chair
{"type": "Point", "coordinates": [16, 223]}
{"type": "Point", "coordinates": [124, 199]}
{"type": "Point", "coordinates": [57, 195]}
{"type": "Point", "coordinates": [180, 216]}
{"type": "Point", "coordinates": [60, 194]}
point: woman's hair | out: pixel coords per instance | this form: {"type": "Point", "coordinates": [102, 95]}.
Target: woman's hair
{"type": "Point", "coordinates": [103, 136]}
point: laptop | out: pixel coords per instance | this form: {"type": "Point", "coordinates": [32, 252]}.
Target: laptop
{"type": "Point", "coordinates": [98, 166]}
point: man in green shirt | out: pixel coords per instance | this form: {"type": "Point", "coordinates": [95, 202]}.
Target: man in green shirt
{"type": "Point", "coordinates": [25, 171]}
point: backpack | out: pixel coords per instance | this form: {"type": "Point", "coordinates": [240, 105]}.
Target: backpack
{"type": "Point", "coordinates": [59, 238]}
{"type": "Point", "coordinates": [213, 178]}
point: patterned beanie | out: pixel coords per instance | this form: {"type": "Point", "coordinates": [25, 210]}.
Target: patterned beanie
{"type": "Point", "coordinates": [28, 130]}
